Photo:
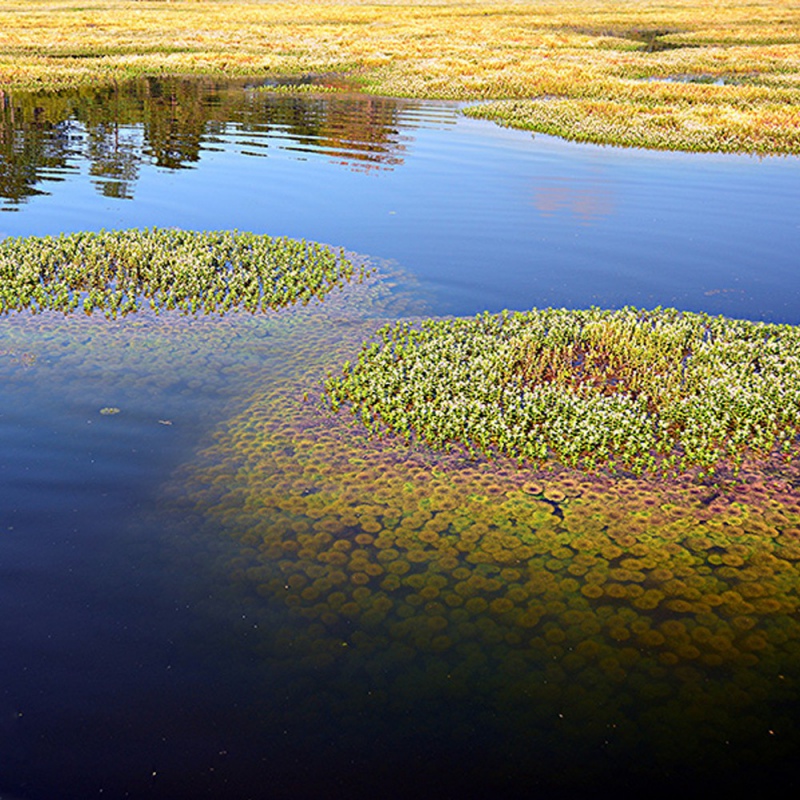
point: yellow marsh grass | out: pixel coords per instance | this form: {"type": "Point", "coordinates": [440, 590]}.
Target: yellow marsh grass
{"type": "Point", "coordinates": [616, 72]}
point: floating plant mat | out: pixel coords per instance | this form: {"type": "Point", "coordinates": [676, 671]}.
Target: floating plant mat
{"type": "Point", "coordinates": [99, 359]}
{"type": "Point", "coordinates": [98, 363]}
{"type": "Point", "coordinates": [643, 390]}
{"type": "Point", "coordinates": [114, 271]}
{"type": "Point", "coordinates": [557, 627]}
{"type": "Point", "coordinates": [94, 406]}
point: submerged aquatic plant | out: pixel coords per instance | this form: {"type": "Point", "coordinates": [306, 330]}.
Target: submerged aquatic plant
{"type": "Point", "coordinates": [552, 601]}
{"type": "Point", "coordinates": [210, 271]}
{"type": "Point", "coordinates": [655, 391]}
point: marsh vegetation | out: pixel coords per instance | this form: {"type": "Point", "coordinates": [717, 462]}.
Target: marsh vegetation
{"type": "Point", "coordinates": [562, 542]}
{"type": "Point", "coordinates": [637, 390]}
{"type": "Point", "coordinates": [114, 272]}
{"type": "Point", "coordinates": [600, 71]}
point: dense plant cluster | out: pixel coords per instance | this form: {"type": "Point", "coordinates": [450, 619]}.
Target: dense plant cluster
{"type": "Point", "coordinates": [580, 607]}
{"type": "Point", "coordinates": [641, 390]}
{"type": "Point", "coordinates": [213, 271]}
{"type": "Point", "coordinates": [692, 126]}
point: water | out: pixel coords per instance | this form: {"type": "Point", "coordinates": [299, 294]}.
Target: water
{"type": "Point", "coordinates": [484, 218]}
{"type": "Point", "coordinates": [198, 593]}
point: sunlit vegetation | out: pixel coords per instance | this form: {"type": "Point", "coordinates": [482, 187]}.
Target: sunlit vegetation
{"type": "Point", "coordinates": [660, 616]}
{"type": "Point", "coordinates": [685, 75]}
{"type": "Point", "coordinates": [586, 609]}
{"type": "Point", "coordinates": [115, 272]}
{"type": "Point", "coordinates": [655, 391]}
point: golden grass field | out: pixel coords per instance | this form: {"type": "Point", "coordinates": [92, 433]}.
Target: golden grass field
{"type": "Point", "coordinates": [679, 74]}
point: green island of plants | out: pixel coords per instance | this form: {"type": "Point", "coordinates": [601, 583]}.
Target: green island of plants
{"type": "Point", "coordinates": [115, 272]}
{"type": "Point", "coordinates": [643, 391]}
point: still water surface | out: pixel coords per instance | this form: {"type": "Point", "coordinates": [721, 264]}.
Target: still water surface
{"type": "Point", "coordinates": [485, 218]}
{"type": "Point", "coordinates": [198, 596]}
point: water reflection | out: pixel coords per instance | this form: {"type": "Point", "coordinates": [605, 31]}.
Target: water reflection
{"type": "Point", "coordinates": [486, 218]}
{"type": "Point", "coordinates": [32, 145]}
{"type": "Point", "coordinates": [587, 201]}
{"type": "Point", "coordinates": [168, 123]}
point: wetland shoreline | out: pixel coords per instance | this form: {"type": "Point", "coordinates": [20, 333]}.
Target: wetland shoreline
{"type": "Point", "coordinates": [326, 608]}
{"type": "Point", "coordinates": [600, 71]}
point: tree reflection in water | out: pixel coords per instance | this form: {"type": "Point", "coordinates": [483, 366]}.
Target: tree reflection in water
{"type": "Point", "coordinates": [167, 123]}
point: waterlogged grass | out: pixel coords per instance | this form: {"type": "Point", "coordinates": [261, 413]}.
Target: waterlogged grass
{"type": "Point", "coordinates": [762, 128]}
{"type": "Point", "coordinates": [645, 391]}
{"type": "Point", "coordinates": [115, 272]}
{"type": "Point", "coordinates": [685, 75]}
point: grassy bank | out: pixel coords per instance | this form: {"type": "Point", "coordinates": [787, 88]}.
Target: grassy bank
{"type": "Point", "coordinates": [684, 75]}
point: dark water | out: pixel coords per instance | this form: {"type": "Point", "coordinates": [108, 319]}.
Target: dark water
{"type": "Point", "coordinates": [163, 629]}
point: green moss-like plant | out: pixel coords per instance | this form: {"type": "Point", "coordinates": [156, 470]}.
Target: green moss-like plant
{"type": "Point", "coordinates": [647, 391]}
{"type": "Point", "coordinates": [115, 272]}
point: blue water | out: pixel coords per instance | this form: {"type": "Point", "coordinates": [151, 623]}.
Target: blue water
{"type": "Point", "coordinates": [484, 217]}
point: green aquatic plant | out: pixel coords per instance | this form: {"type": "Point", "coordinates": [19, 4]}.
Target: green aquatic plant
{"type": "Point", "coordinates": [576, 605]}
{"type": "Point", "coordinates": [539, 595]}
{"type": "Point", "coordinates": [211, 271]}
{"type": "Point", "coordinates": [656, 391]}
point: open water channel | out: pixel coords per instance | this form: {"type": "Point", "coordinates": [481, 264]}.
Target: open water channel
{"type": "Point", "coordinates": [209, 587]}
